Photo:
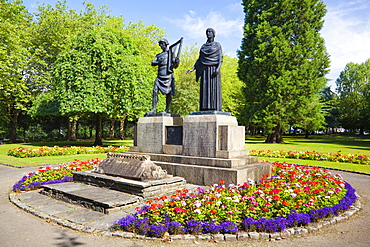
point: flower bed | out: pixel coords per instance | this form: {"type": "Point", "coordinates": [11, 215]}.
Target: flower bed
{"type": "Point", "coordinates": [313, 155]}
{"type": "Point", "coordinates": [49, 175]}
{"type": "Point", "coordinates": [22, 152]}
{"type": "Point", "coordinates": [293, 196]}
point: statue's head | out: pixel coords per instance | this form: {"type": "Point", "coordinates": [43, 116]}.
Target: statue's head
{"type": "Point", "coordinates": [211, 30]}
{"type": "Point", "coordinates": [165, 41]}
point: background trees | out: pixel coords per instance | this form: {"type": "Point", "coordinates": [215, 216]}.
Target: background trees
{"type": "Point", "coordinates": [65, 73]}
{"type": "Point", "coordinates": [282, 62]}
{"type": "Point", "coordinates": [102, 74]}
{"type": "Point", "coordinates": [16, 90]}
{"type": "Point", "coordinates": [353, 89]}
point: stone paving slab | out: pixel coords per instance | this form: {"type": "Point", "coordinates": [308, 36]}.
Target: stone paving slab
{"type": "Point", "coordinates": [81, 193]}
{"type": "Point", "coordinates": [106, 222]}
{"type": "Point", "coordinates": [54, 208]}
{"type": "Point", "coordinates": [81, 215]}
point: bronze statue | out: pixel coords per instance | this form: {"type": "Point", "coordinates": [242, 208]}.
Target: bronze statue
{"type": "Point", "coordinates": [207, 69]}
{"type": "Point", "coordinates": [166, 61]}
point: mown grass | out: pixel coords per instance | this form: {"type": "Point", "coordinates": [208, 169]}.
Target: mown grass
{"type": "Point", "coordinates": [4, 158]}
{"type": "Point", "coordinates": [319, 143]}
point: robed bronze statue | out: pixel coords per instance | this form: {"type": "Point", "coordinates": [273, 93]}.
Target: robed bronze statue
{"type": "Point", "coordinates": [207, 69]}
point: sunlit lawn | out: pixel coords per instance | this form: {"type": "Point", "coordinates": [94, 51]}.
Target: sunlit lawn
{"type": "Point", "coordinates": [319, 143]}
{"type": "Point", "coordinates": [4, 158]}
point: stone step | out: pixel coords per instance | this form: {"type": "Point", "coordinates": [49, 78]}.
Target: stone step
{"type": "Point", "coordinates": [147, 190]}
{"type": "Point", "coordinates": [204, 161]}
{"type": "Point", "coordinates": [208, 175]}
{"type": "Point", "coordinates": [103, 200]}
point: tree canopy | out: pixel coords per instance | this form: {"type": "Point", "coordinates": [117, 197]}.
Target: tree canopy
{"type": "Point", "coordinates": [353, 89]}
{"type": "Point", "coordinates": [282, 61]}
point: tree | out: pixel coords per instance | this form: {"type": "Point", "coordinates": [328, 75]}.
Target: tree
{"type": "Point", "coordinates": [16, 91]}
{"type": "Point", "coordinates": [232, 88]}
{"type": "Point", "coordinates": [282, 61]}
{"type": "Point", "coordinates": [102, 74]}
{"type": "Point", "coordinates": [330, 100]}
{"type": "Point", "coordinates": [353, 89]}
{"type": "Point", "coordinates": [187, 89]}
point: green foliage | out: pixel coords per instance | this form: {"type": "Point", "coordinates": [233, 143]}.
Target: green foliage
{"type": "Point", "coordinates": [330, 101]}
{"type": "Point", "coordinates": [354, 95]}
{"type": "Point", "coordinates": [15, 88]}
{"type": "Point", "coordinates": [282, 61]}
{"type": "Point", "coordinates": [187, 89]}
{"type": "Point", "coordinates": [232, 88]}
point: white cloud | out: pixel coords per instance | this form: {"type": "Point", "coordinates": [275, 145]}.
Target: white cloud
{"type": "Point", "coordinates": [347, 35]}
{"type": "Point", "coordinates": [195, 26]}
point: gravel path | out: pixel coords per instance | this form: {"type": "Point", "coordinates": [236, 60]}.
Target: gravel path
{"type": "Point", "coordinates": [18, 228]}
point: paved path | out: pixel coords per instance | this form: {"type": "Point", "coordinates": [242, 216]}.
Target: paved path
{"type": "Point", "coordinates": [18, 228]}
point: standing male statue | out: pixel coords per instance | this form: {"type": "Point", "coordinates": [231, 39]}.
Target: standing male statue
{"type": "Point", "coordinates": [165, 81]}
{"type": "Point", "coordinates": [207, 69]}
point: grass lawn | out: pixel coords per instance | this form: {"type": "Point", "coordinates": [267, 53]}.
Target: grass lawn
{"type": "Point", "coordinates": [4, 158]}
{"type": "Point", "coordinates": [319, 143]}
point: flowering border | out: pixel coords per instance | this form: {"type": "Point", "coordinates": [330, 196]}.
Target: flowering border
{"type": "Point", "coordinates": [22, 152]}
{"type": "Point", "coordinates": [141, 226]}
{"type": "Point", "coordinates": [313, 155]}
{"type": "Point", "coordinates": [49, 175]}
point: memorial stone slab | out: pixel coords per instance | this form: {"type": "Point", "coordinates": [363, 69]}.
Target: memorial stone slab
{"type": "Point", "coordinates": [131, 166]}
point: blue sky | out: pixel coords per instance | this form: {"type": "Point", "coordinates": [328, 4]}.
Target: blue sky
{"type": "Point", "coordinates": [346, 30]}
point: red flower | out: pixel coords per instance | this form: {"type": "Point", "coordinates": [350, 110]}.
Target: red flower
{"type": "Point", "coordinates": [213, 211]}
{"type": "Point", "coordinates": [276, 198]}
{"type": "Point", "coordinates": [221, 182]}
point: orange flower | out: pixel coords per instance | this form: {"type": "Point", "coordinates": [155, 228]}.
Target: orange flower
{"type": "Point", "coordinates": [286, 203]}
{"type": "Point", "coordinates": [213, 211]}
{"type": "Point", "coordinates": [221, 182]}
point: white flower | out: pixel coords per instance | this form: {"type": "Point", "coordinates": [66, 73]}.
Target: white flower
{"type": "Point", "coordinates": [197, 211]}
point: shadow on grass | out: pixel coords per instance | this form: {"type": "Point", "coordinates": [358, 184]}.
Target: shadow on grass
{"type": "Point", "coordinates": [351, 142]}
{"type": "Point", "coordinates": [84, 143]}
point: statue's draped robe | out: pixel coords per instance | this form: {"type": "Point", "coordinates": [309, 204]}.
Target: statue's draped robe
{"type": "Point", "coordinates": [165, 80]}
{"type": "Point", "coordinates": [210, 56]}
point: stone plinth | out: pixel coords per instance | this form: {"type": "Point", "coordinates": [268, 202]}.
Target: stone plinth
{"type": "Point", "coordinates": [146, 190]}
{"type": "Point", "coordinates": [151, 133]}
{"type": "Point", "coordinates": [207, 171]}
{"type": "Point", "coordinates": [214, 136]}
{"type": "Point", "coordinates": [208, 175]}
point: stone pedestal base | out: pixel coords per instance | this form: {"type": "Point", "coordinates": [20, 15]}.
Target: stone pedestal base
{"type": "Point", "coordinates": [207, 171]}
{"type": "Point", "coordinates": [151, 133]}
{"type": "Point", "coordinates": [204, 148]}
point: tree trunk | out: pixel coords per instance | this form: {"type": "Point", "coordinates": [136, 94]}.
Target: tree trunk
{"type": "Point", "coordinates": [13, 115]}
{"type": "Point", "coordinates": [122, 128]}
{"type": "Point", "coordinates": [306, 134]}
{"type": "Point", "coordinates": [111, 130]}
{"type": "Point", "coordinates": [99, 130]}
{"type": "Point", "coordinates": [276, 136]}
{"type": "Point", "coordinates": [72, 129]}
